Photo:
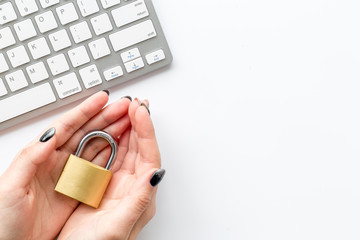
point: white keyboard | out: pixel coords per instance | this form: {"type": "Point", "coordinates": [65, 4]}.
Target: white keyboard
{"type": "Point", "coordinates": [53, 52]}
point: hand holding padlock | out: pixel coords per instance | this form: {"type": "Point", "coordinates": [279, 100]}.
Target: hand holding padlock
{"type": "Point", "coordinates": [130, 197]}
{"type": "Point", "coordinates": [83, 180]}
{"type": "Point", "coordinates": [28, 202]}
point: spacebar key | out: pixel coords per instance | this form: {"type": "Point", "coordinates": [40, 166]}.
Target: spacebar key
{"type": "Point", "coordinates": [26, 101]}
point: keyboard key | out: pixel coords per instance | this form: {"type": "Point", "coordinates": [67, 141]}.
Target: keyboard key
{"type": "Point", "coordinates": [59, 40]}
{"type": "Point", "coordinates": [3, 64]}
{"type": "Point", "coordinates": [26, 101]}
{"type": "Point", "coordinates": [26, 7]}
{"type": "Point", "coordinates": [130, 13]}
{"type": "Point", "coordinates": [78, 56]}
{"type": "Point", "coordinates": [37, 72]}
{"type": "Point", "coordinates": [101, 24]}
{"type": "Point", "coordinates": [67, 13]}
{"type": "Point", "coordinates": [67, 85]}
{"type": "Point", "coordinates": [58, 64]}
{"type": "Point", "coordinates": [90, 76]}
{"type": "Point", "coordinates": [3, 90]}
{"type": "Point", "coordinates": [87, 7]}
{"type": "Point", "coordinates": [132, 35]}
{"type": "Point", "coordinates": [46, 21]}
{"type": "Point", "coordinates": [25, 30]}
{"type": "Point", "coordinates": [134, 65]}
{"type": "Point", "coordinates": [18, 56]}
{"type": "Point", "coordinates": [6, 38]}
{"type": "Point", "coordinates": [130, 55]}
{"type": "Point", "coordinates": [16, 80]}
{"type": "Point", "coordinates": [99, 48]}
{"type": "Point", "coordinates": [113, 73]}
{"type": "Point", "coordinates": [80, 32]}
{"type": "Point", "coordinates": [39, 48]}
{"type": "Point", "coordinates": [7, 13]}
{"type": "Point", "coordinates": [109, 3]}
{"type": "Point", "coordinates": [155, 56]}
{"type": "Point", "coordinates": [48, 3]}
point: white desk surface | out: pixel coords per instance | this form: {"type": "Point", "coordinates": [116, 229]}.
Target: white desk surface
{"type": "Point", "coordinates": [257, 119]}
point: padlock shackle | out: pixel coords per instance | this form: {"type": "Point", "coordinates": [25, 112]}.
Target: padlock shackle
{"type": "Point", "coordinates": [103, 135]}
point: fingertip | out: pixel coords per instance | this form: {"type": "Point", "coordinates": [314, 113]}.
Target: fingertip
{"type": "Point", "coordinates": [146, 107]}
{"type": "Point", "coordinates": [106, 91]}
{"type": "Point", "coordinates": [43, 147]}
{"type": "Point", "coordinates": [132, 109]}
{"type": "Point", "coordinates": [127, 97]}
{"type": "Point", "coordinates": [105, 96]}
{"type": "Point", "coordinates": [150, 179]}
{"type": "Point", "coordinates": [146, 101]}
{"type": "Point", "coordinates": [157, 177]}
{"type": "Point", "coordinates": [143, 103]}
{"type": "Point", "coordinates": [47, 135]}
{"type": "Point", "coordinates": [143, 122]}
{"type": "Point", "coordinates": [138, 105]}
{"type": "Point", "coordinates": [100, 98]}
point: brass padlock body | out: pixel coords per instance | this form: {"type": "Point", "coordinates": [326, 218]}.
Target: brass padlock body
{"type": "Point", "coordinates": [83, 181]}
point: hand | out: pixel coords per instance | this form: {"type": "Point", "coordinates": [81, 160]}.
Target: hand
{"type": "Point", "coordinates": [29, 206]}
{"type": "Point", "coordinates": [129, 202]}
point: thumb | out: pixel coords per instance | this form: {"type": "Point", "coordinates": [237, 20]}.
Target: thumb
{"type": "Point", "coordinates": [23, 168]}
{"type": "Point", "coordinates": [140, 198]}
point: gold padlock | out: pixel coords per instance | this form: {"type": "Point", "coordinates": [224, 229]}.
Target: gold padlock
{"type": "Point", "coordinates": [83, 180]}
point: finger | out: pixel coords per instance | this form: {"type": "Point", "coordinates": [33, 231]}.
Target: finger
{"type": "Point", "coordinates": [103, 119]}
{"type": "Point", "coordinates": [70, 122]}
{"type": "Point", "coordinates": [96, 145]}
{"type": "Point", "coordinates": [145, 103]}
{"type": "Point", "coordinates": [128, 165]}
{"type": "Point", "coordinates": [24, 167]}
{"type": "Point", "coordinates": [102, 157]}
{"type": "Point", "coordinates": [146, 139]}
{"type": "Point", "coordinates": [129, 158]}
{"type": "Point", "coordinates": [133, 147]}
{"type": "Point", "coordinates": [122, 150]}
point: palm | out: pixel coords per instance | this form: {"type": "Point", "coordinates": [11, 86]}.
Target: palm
{"type": "Point", "coordinates": [98, 223]}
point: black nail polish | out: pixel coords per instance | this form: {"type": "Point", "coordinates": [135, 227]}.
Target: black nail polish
{"type": "Point", "coordinates": [147, 108]}
{"type": "Point", "coordinates": [157, 177]}
{"type": "Point", "coordinates": [128, 97]}
{"type": "Point", "coordinates": [107, 92]}
{"type": "Point", "coordinates": [47, 135]}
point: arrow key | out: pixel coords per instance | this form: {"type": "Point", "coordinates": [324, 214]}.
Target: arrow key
{"type": "Point", "coordinates": [113, 73]}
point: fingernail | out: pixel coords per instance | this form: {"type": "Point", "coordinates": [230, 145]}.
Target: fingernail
{"type": "Point", "coordinates": [128, 97]}
{"type": "Point", "coordinates": [107, 92]}
{"type": "Point", "coordinates": [147, 108]}
{"type": "Point", "coordinates": [47, 135]}
{"type": "Point", "coordinates": [136, 99]}
{"type": "Point", "coordinates": [157, 177]}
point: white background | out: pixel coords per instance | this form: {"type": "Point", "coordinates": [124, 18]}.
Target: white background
{"type": "Point", "coordinates": [257, 120]}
